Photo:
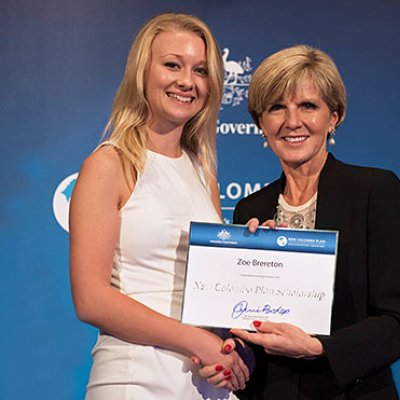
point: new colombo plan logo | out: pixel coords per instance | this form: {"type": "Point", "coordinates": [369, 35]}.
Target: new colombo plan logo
{"type": "Point", "coordinates": [282, 241]}
{"type": "Point", "coordinates": [61, 199]}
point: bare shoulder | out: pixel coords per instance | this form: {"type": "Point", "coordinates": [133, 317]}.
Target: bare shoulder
{"type": "Point", "coordinates": [102, 174]}
{"type": "Point", "coordinates": [105, 160]}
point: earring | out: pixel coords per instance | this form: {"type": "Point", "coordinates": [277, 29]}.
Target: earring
{"type": "Point", "coordinates": [265, 142]}
{"type": "Point", "coordinates": [331, 138]}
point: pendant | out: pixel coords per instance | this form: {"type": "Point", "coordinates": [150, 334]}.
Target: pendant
{"type": "Point", "coordinates": [296, 221]}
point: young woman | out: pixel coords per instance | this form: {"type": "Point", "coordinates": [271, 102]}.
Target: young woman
{"type": "Point", "coordinates": [130, 214]}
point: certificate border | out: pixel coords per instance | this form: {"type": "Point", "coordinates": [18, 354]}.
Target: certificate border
{"type": "Point", "coordinates": [226, 239]}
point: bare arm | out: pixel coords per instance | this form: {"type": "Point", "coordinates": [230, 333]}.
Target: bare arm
{"type": "Point", "coordinates": [94, 228]}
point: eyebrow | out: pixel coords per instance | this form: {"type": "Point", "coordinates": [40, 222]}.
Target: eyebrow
{"type": "Point", "coordinates": [305, 99]}
{"type": "Point", "coordinates": [310, 100]}
{"type": "Point", "coordinates": [180, 57]}
{"type": "Point", "coordinates": [172, 54]}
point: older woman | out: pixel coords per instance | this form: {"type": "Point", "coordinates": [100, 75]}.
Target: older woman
{"type": "Point", "coordinates": [130, 215]}
{"type": "Point", "coordinates": [298, 99]}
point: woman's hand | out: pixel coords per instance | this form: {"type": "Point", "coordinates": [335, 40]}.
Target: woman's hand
{"type": "Point", "coordinates": [231, 374]}
{"type": "Point", "coordinates": [282, 339]}
{"type": "Point", "coordinates": [215, 374]}
{"type": "Point", "coordinates": [254, 223]}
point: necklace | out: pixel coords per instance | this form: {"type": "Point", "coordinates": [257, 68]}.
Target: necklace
{"type": "Point", "coordinates": [296, 217]}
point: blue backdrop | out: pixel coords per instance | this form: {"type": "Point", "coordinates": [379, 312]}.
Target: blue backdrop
{"type": "Point", "coordinates": [61, 63]}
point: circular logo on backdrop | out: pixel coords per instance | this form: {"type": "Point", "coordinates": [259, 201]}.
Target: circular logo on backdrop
{"type": "Point", "coordinates": [282, 241]}
{"type": "Point", "coordinates": [61, 199]}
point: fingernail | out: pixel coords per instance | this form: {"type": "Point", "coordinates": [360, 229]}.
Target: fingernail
{"type": "Point", "coordinates": [227, 372]}
{"type": "Point", "coordinates": [228, 378]}
{"type": "Point", "coordinates": [227, 347]}
{"type": "Point", "coordinates": [219, 368]}
{"type": "Point", "coordinates": [257, 324]}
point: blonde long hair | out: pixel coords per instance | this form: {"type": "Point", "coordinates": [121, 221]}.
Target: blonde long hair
{"type": "Point", "coordinates": [126, 128]}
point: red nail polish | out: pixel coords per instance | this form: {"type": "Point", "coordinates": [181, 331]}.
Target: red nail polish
{"type": "Point", "coordinates": [227, 372]}
{"type": "Point", "coordinates": [227, 348]}
{"type": "Point", "coordinates": [228, 378]}
{"type": "Point", "coordinates": [257, 324]}
{"type": "Point", "coordinates": [219, 368]}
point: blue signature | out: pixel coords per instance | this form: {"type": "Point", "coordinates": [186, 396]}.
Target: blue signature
{"type": "Point", "coordinates": [243, 307]}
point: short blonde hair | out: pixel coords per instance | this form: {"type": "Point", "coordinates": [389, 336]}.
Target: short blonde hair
{"type": "Point", "coordinates": [126, 127]}
{"type": "Point", "coordinates": [283, 71]}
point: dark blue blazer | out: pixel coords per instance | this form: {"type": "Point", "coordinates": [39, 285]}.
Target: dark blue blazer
{"type": "Point", "coordinates": [363, 204]}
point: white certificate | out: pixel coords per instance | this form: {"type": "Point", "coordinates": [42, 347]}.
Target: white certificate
{"type": "Point", "coordinates": [280, 275]}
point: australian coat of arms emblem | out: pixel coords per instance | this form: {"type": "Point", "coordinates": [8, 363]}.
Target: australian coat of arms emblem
{"type": "Point", "coordinates": [236, 80]}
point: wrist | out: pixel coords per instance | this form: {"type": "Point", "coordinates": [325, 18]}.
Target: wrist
{"type": "Point", "coordinates": [194, 340]}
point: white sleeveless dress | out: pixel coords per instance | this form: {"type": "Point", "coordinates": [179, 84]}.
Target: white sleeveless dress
{"type": "Point", "coordinates": [149, 266]}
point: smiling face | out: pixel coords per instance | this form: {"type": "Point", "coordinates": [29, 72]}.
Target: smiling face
{"type": "Point", "coordinates": [297, 125]}
{"type": "Point", "coordinates": [177, 81]}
